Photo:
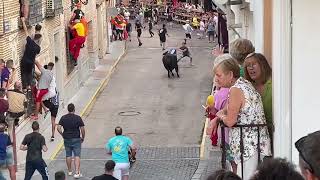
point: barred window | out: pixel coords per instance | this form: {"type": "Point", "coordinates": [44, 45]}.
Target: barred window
{"type": "Point", "coordinates": [54, 8]}
{"type": "Point", "coordinates": [35, 12]}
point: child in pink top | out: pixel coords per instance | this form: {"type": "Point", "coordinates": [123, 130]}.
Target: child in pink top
{"type": "Point", "coordinates": [221, 97]}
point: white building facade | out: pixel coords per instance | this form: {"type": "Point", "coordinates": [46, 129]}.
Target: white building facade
{"type": "Point", "coordinates": [287, 33]}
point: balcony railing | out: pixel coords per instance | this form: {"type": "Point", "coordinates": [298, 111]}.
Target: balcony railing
{"type": "Point", "coordinates": [223, 143]}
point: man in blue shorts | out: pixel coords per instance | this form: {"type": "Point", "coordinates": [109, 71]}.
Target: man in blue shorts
{"type": "Point", "coordinates": [119, 146]}
{"type": "Point", "coordinates": [73, 126]}
{"type": "Point", "coordinates": [6, 153]}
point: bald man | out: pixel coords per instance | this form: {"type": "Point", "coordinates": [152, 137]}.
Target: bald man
{"type": "Point", "coordinates": [16, 100]}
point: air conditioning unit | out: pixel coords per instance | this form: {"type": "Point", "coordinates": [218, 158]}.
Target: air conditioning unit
{"type": "Point", "coordinates": [53, 8]}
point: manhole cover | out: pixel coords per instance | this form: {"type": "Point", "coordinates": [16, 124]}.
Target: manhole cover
{"type": "Point", "coordinates": [129, 113]}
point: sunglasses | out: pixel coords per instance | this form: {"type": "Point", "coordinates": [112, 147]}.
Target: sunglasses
{"type": "Point", "coordinates": [299, 145]}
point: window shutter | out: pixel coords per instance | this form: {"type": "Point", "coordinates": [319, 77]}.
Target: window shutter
{"type": "Point", "coordinates": [35, 12]}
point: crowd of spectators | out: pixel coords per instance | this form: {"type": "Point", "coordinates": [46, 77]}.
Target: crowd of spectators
{"type": "Point", "coordinates": [243, 105]}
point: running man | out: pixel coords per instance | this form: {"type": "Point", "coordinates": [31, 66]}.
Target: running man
{"type": "Point", "coordinates": [119, 147]}
{"type": "Point", "coordinates": [185, 52]}
{"type": "Point", "coordinates": [150, 28]}
{"type": "Point", "coordinates": [162, 35]}
{"type": "Point", "coordinates": [34, 143]}
{"type": "Point", "coordinates": [188, 29]}
{"type": "Point", "coordinates": [139, 31]}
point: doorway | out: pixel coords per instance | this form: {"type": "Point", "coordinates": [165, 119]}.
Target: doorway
{"type": "Point", "coordinates": [58, 70]}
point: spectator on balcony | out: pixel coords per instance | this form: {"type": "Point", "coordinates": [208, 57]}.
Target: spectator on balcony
{"type": "Point", "coordinates": [76, 43]}
{"type": "Point", "coordinates": [46, 77]}
{"type": "Point", "coordinates": [244, 108]}
{"type": "Point", "coordinates": [239, 50]}
{"type": "Point", "coordinates": [258, 71]}
{"type": "Point", "coordinates": [276, 169]}
{"type": "Point", "coordinates": [4, 105]}
{"type": "Point", "coordinates": [309, 156]}
{"type": "Point", "coordinates": [16, 100]}
{"type": "Point", "coordinates": [32, 49]}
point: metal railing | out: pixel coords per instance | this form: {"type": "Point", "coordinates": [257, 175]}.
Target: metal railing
{"type": "Point", "coordinates": [223, 142]}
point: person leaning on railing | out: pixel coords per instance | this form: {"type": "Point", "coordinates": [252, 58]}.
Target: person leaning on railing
{"type": "Point", "coordinates": [258, 71]}
{"type": "Point", "coordinates": [244, 107]}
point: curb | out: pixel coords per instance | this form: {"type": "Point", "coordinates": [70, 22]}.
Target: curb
{"type": "Point", "coordinates": [204, 134]}
{"type": "Point", "coordinates": [101, 87]}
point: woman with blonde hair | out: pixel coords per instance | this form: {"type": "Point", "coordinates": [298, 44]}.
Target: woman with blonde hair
{"type": "Point", "coordinates": [244, 107]}
{"type": "Point", "coordinates": [258, 71]}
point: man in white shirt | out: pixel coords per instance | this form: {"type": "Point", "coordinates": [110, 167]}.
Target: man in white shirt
{"type": "Point", "coordinates": [187, 29]}
{"type": "Point", "coordinates": [127, 15]}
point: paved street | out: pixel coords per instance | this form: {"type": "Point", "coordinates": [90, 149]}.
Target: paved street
{"type": "Point", "coordinates": [163, 116]}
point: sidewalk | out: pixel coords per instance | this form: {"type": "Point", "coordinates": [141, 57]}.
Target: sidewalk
{"type": "Point", "coordinates": [83, 100]}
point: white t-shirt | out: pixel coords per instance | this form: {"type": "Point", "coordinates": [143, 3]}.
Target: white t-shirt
{"type": "Point", "coordinates": [215, 19]}
{"type": "Point", "coordinates": [51, 90]}
{"type": "Point", "coordinates": [202, 26]}
{"type": "Point", "coordinates": [126, 15]}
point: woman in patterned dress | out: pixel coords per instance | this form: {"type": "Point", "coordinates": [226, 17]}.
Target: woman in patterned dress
{"type": "Point", "coordinates": [244, 107]}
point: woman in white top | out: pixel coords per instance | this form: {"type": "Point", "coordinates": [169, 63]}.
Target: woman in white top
{"type": "Point", "coordinates": [202, 29]}
{"type": "Point", "coordinates": [244, 107]}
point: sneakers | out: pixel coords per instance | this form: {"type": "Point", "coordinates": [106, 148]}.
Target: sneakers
{"type": "Point", "coordinates": [140, 44]}
{"type": "Point", "coordinates": [70, 173]}
{"type": "Point", "coordinates": [77, 176]}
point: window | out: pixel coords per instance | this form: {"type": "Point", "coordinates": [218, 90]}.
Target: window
{"type": "Point", "coordinates": [54, 7]}
{"type": "Point", "coordinates": [35, 12]}
{"type": "Point", "coordinates": [31, 9]}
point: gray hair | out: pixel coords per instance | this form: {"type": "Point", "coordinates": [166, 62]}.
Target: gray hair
{"type": "Point", "coordinates": [240, 48]}
{"type": "Point", "coordinates": [228, 63]}
{"type": "Point", "coordinates": [221, 58]}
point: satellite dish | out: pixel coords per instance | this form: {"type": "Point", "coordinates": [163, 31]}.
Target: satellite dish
{"type": "Point", "coordinates": [221, 1]}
